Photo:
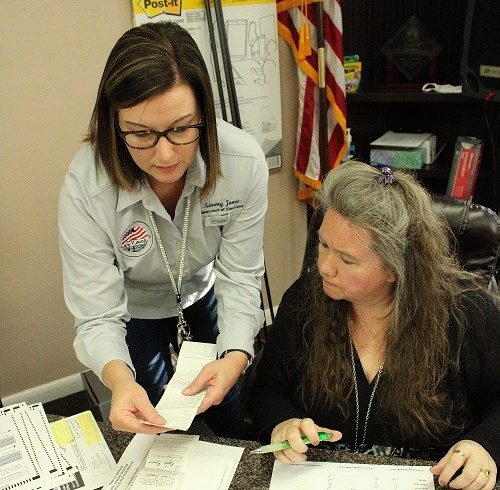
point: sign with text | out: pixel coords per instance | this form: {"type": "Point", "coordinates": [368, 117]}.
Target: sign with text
{"type": "Point", "coordinates": [251, 31]}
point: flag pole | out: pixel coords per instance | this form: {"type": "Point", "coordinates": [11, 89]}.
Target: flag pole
{"type": "Point", "coordinates": [323, 121]}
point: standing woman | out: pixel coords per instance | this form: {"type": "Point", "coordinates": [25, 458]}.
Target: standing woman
{"type": "Point", "coordinates": [161, 220]}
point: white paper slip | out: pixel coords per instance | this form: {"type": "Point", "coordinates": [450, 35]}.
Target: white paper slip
{"type": "Point", "coordinates": [346, 476]}
{"type": "Point", "coordinates": [132, 460]}
{"type": "Point", "coordinates": [177, 409]}
{"type": "Point", "coordinates": [148, 461]}
{"type": "Point", "coordinates": [166, 462]}
{"type": "Point", "coordinates": [211, 467]}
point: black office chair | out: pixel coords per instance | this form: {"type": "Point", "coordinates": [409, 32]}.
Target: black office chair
{"type": "Point", "coordinates": [475, 237]}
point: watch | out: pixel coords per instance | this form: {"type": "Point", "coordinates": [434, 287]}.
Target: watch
{"type": "Point", "coordinates": [249, 360]}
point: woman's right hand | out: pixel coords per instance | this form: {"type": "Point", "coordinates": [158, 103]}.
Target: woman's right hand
{"type": "Point", "coordinates": [130, 404]}
{"type": "Point", "coordinates": [292, 430]}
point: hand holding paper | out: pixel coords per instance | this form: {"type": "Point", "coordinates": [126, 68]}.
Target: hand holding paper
{"type": "Point", "coordinates": [217, 378]}
{"type": "Point", "coordinates": [175, 407]}
{"type": "Point", "coordinates": [130, 404]}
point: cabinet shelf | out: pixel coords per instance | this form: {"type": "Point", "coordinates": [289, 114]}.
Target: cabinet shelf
{"type": "Point", "coordinates": [433, 171]}
{"type": "Point", "coordinates": [408, 97]}
{"type": "Point", "coordinates": [387, 101]}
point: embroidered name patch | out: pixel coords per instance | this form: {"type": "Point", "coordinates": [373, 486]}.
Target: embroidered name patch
{"type": "Point", "coordinates": [136, 239]}
{"type": "Point", "coordinates": [218, 213]}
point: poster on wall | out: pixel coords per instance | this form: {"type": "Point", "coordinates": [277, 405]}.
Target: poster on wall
{"type": "Point", "coordinates": [252, 37]}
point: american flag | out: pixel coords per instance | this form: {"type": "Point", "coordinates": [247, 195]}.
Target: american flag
{"type": "Point", "coordinates": [135, 233]}
{"type": "Point", "coordinates": [292, 16]}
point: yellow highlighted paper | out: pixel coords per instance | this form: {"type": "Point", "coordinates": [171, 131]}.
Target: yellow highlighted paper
{"type": "Point", "coordinates": [89, 427]}
{"type": "Point", "coordinates": [62, 432]}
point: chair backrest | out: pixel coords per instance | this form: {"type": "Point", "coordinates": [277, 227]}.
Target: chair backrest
{"type": "Point", "coordinates": [475, 236]}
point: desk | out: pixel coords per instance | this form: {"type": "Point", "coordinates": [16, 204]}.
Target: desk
{"type": "Point", "coordinates": [254, 471]}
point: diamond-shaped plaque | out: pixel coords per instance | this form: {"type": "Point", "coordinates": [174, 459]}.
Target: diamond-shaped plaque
{"type": "Point", "coordinates": [412, 48]}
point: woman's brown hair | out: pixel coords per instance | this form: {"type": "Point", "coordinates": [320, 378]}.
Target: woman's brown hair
{"type": "Point", "coordinates": [145, 62]}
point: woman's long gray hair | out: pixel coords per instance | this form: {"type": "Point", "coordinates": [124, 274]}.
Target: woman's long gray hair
{"type": "Point", "coordinates": [413, 242]}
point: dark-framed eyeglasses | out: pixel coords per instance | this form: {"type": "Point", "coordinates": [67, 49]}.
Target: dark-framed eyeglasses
{"type": "Point", "coordinates": [147, 138]}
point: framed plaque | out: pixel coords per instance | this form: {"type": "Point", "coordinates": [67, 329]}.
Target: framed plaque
{"type": "Point", "coordinates": [412, 55]}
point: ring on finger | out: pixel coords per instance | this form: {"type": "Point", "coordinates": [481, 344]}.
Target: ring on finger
{"type": "Point", "coordinates": [486, 471]}
{"type": "Point", "coordinates": [458, 451]}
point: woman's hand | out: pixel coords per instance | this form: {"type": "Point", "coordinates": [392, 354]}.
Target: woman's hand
{"type": "Point", "coordinates": [130, 404]}
{"type": "Point", "coordinates": [218, 377]}
{"type": "Point", "coordinates": [292, 430]}
{"type": "Point", "coordinates": [479, 471]}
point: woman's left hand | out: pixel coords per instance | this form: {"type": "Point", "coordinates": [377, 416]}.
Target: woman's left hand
{"type": "Point", "coordinates": [218, 377]}
{"type": "Point", "coordinates": [479, 471]}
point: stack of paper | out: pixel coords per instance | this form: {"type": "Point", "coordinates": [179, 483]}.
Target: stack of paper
{"type": "Point", "coordinates": [175, 461]}
{"type": "Point", "coordinates": [32, 456]}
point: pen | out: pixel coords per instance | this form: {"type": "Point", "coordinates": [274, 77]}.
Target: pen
{"type": "Point", "coordinates": [280, 446]}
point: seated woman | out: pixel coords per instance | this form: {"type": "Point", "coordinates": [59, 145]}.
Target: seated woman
{"type": "Point", "coordinates": [387, 340]}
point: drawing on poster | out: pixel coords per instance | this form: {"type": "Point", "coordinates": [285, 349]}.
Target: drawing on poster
{"type": "Point", "coordinates": [253, 51]}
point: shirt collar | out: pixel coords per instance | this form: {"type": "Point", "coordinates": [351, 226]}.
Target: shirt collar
{"type": "Point", "coordinates": [127, 198]}
{"type": "Point", "coordinates": [195, 177]}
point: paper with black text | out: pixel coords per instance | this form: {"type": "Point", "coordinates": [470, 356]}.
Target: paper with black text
{"type": "Point", "coordinates": [132, 460]}
{"type": "Point", "coordinates": [29, 456]}
{"type": "Point", "coordinates": [83, 444]}
{"type": "Point", "coordinates": [177, 409]}
{"type": "Point", "coordinates": [347, 476]}
{"type": "Point", "coordinates": [166, 462]}
{"type": "Point", "coordinates": [209, 466]}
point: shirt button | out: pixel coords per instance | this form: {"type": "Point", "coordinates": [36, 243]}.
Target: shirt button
{"type": "Point", "coordinates": [148, 201]}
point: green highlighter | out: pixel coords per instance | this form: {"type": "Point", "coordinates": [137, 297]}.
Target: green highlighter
{"type": "Point", "coordinates": [281, 446]}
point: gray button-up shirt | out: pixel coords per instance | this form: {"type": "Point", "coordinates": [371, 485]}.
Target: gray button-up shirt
{"type": "Point", "coordinates": [113, 268]}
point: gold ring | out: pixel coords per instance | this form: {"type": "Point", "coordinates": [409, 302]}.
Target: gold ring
{"type": "Point", "coordinates": [486, 471]}
{"type": "Point", "coordinates": [459, 452]}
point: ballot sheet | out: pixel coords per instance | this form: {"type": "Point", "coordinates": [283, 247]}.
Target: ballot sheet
{"type": "Point", "coordinates": [346, 476]}
{"type": "Point", "coordinates": [36, 455]}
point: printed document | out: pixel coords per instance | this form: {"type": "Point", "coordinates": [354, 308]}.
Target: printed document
{"type": "Point", "coordinates": [346, 476]}
{"type": "Point", "coordinates": [70, 453]}
{"type": "Point", "coordinates": [83, 445]}
{"type": "Point", "coordinates": [175, 461]}
{"type": "Point", "coordinates": [177, 409]}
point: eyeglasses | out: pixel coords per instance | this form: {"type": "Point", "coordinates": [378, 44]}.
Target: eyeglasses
{"type": "Point", "coordinates": [147, 138]}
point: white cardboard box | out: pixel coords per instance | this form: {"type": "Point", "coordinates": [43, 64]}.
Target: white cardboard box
{"type": "Point", "coordinates": [393, 148]}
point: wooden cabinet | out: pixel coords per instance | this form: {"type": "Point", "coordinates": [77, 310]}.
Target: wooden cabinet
{"type": "Point", "coordinates": [373, 111]}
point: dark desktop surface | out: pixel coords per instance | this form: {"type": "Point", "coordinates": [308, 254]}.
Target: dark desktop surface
{"type": "Point", "coordinates": [253, 472]}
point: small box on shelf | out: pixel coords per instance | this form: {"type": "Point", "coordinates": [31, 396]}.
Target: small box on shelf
{"type": "Point", "coordinates": [352, 74]}
{"type": "Point", "coordinates": [465, 166]}
{"type": "Point", "coordinates": [403, 150]}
